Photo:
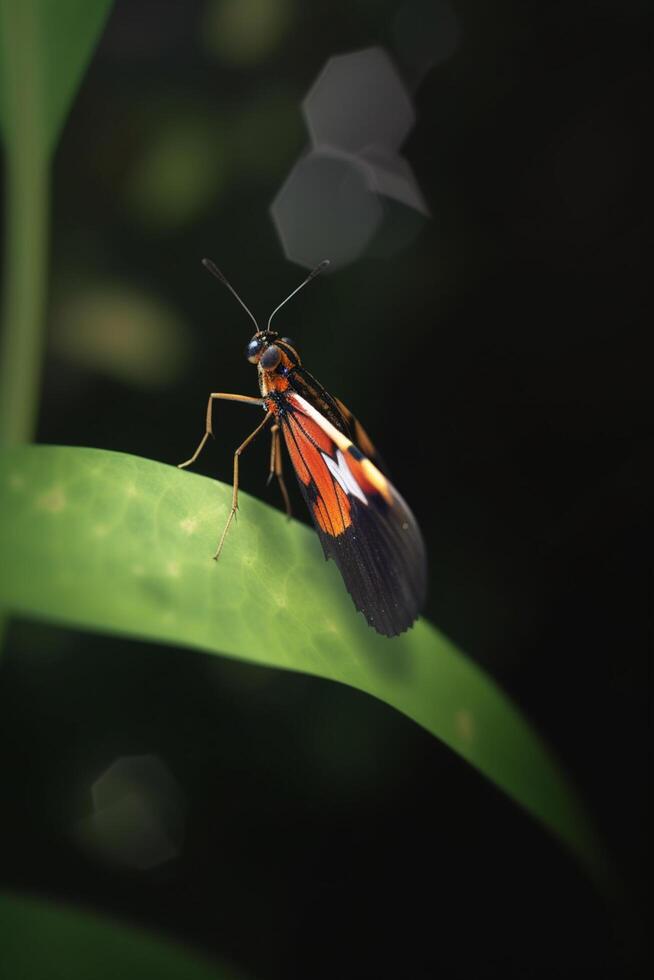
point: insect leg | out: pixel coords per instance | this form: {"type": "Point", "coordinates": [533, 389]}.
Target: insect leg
{"type": "Point", "coordinates": [276, 466]}
{"type": "Point", "coordinates": [208, 426]}
{"type": "Point", "coordinates": [235, 488]}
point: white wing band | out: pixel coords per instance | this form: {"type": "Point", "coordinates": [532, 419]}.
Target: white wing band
{"type": "Point", "coordinates": [344, 476]}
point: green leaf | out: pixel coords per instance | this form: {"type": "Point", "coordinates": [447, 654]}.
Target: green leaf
{"type": "Point", "coordinates": [45, 46]}
{"type": "Point", "coordinates": [41, 940]}
{"type": "Point", "coordinates": [118, 543]}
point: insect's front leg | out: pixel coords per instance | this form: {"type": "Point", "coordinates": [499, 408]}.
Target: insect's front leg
{"type": "Point", "coordinates": [247, 399]}
{"type": "Point", "coordinates": [276, 466]}
{"type": "Point", "coordinates": [237, 454]}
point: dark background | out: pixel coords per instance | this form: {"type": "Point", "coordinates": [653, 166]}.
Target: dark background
{"type": "Point", "coordinates": [498, 361]}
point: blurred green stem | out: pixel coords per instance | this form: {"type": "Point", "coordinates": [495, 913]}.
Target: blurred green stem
{"type": "Point", "coordinates": [26, 211]}
{"type": "Point", "coordinates": [26, 224]}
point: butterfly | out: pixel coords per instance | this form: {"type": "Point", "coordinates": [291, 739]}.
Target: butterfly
{"type": "Point", "coordinates": [363, 523]}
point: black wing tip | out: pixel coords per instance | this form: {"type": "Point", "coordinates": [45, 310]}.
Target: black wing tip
{"type": "Point", "coordinates": [392, 630]}
{"type": "Point", "coordinates": [389, 620]}
{"type": "Point", "coordinates": [385, 577]}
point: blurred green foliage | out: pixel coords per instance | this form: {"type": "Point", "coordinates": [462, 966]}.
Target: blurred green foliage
{"type": "Point", "coordinates": [120, 332]}
{"type": "Point", "coordinates": [55, 42]}
{"type": "Point", "coordinates": [241, 32]}
{"type": "Point", "coordinates": [180, 169]}
{"type": "Point", "coordinates": [111, 542]}
{"type": "Point", "coordinates": [39, 939]}
{"type": "Point", "coordinates": [44, 49]}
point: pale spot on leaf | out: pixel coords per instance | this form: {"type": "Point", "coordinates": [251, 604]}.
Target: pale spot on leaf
{"type": "Point", "coordinates": [16, 481]}
{"type": "Point", "coordinates": [464, 724]}
{"type": "Point", "coordinates": [188, 525]}
{"type": "Point", "coordinates": [100, 530]}
{"type": "Point", "coordinates": [53, 500]}
{"type": "Point", "coordinates": [173, 569]}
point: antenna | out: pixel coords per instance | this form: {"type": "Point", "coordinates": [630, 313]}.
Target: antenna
{"type": "Point", "coordinates": [215, 271]}
{"type": "Point", "coordinates": [312, 275]}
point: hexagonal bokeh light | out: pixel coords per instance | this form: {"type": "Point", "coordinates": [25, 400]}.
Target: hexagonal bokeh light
{"type": "Point", "coordinates": [392, 176]}
{"type": "Point", "coordinates": [326, 209]}
{"type": "Point", "coordinates": [358, 113]}
{"type": "Point", "coordinates": [139, 814]}
{"type": "Point", "coordinates": [357, 100]}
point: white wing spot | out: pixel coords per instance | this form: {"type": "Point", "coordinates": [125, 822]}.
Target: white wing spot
{"type": "Point", "coordinates": [344, 476]}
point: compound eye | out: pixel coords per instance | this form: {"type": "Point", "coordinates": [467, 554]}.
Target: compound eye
{"type": "Point", "coordinates": [253, 350]}
{"type": "Point", "coordinates": [270, 358]}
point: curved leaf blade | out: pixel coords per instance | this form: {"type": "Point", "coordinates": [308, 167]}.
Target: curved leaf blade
{"type": "Point", "coordinates": [40, 939]}
{"type": "Point", "coordinates": [118, 543]}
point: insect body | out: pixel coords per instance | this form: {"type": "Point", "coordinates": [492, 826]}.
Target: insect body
{"type": "Point", "coordinates": [363, 523]}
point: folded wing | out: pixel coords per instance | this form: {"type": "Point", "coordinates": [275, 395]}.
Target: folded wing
{"type": "Point", "coordinates": [363, 523]}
